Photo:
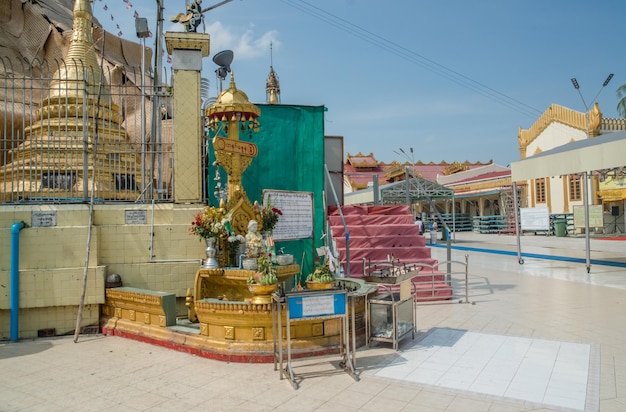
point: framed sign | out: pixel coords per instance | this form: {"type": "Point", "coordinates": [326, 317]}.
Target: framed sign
{"type": "Point", "coordinates": [534, 218]}
{"type": "Point", "coordinates": [596, 218]}
{"type": "Point", "coordinates": [296, 221]}
{"type": "Point", "coordinates": [315, 304]}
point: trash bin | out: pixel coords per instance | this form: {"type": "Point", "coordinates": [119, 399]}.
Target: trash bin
{"type": "Point", "coordinates": [560, 228]}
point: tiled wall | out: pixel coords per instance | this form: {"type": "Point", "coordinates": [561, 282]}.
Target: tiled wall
{"type": "Point", "coordinates": [158, 255]}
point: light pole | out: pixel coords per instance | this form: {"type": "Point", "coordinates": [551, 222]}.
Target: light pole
{"type": "Point", "coordinates": [141, 27]}
{"type": "Point", "coordinates": [585, 177]}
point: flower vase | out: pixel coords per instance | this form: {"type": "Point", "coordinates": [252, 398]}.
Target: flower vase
{"type": "Point", "coordinates": [211, 261]}
{"type": "Point", "coordinates": [269, 245]}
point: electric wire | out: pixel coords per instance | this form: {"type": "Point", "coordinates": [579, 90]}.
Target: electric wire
{"type": "Point", "coordinates": [413, 57]}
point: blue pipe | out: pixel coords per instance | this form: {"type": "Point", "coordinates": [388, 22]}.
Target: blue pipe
{"type": "Point", "coordinates": [15, 279]}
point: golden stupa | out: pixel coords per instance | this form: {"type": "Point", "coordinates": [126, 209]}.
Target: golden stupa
{"type": "Point", "coordinates": [75, 143]}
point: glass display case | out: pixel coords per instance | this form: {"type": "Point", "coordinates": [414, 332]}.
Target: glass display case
{"type": "Point", "coordinates": [391, 316]}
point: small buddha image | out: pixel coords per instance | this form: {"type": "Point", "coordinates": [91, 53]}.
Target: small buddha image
{"type": "Point", "coordinates": [255, 246]}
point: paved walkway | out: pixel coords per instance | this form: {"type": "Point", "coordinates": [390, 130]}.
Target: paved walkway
{"type": "Point", "coordinates": [541, 336]}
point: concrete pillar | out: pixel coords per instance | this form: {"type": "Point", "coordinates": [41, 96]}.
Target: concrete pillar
{"type": "Point", "coordinates": [187, 51]}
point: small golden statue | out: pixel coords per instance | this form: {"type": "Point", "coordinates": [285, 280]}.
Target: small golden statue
{"type": "Point", "coordinates": [192, 19]}
{"type": "Point", "coordinates": [194, 15]}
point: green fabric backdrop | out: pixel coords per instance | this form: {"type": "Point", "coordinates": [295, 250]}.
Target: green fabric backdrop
{"type": "Point", "coordinates": [291, 157]}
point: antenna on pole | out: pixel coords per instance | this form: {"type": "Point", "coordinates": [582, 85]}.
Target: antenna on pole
{"type": "Point", "coordinates": [223, 59]}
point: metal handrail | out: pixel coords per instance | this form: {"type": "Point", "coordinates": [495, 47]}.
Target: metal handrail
{"type": "Point", "coordinates": [343, 221]}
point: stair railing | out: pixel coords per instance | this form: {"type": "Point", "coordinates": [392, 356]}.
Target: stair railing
{"type": "Point", "coordinates": [329, 181]}
{"type": "Point", "coordinates": [408, 172]}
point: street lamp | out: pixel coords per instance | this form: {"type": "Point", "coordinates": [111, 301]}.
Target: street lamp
{"type": "Point", "coordinates": [585, 178]}
{"type": "Point", "coordinates": [141, 27]}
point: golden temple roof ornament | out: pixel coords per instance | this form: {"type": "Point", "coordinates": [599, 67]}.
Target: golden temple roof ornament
{"type": "Point", "coordinates": [272, 86]}
{"type": "Point", "coordinates": [232, 114]}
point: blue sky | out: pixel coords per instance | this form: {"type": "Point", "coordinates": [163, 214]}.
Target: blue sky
{"type": "Point", "coordinates": [453, 79]}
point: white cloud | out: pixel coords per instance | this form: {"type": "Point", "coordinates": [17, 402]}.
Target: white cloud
{"type": "Point", "coordinates": [247, 45]}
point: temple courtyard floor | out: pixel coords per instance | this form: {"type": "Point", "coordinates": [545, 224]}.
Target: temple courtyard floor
{"type": "Point", "coordinates": [544, 335]}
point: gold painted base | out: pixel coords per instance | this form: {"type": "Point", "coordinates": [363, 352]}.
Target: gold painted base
{"type": "Point", "coordinates": [261, 293]}
{"type": "Point", "coordinates": [319, 285]}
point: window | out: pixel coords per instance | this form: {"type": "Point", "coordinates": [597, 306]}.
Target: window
{"type": "Point", "coordinates": [540, 190]}
{"type": "Point", "coordinates": [574, 187]}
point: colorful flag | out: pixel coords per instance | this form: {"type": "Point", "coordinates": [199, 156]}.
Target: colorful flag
{"type": "Point", "coordinates": [106, 7]}
{"type": "Point", "coordinates": [169, 59]}
{"type": "Point", "coordinates": [135, 15]}
{"type": "Point", "coordinates": [119, 33]}
{"type": "Point", "coordinates": [112, 18]}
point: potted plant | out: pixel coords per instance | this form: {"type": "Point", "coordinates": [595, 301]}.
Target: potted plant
{"type": "Point", "coordinates": [213, 225]}
{"type": "Point", "coordinates": [322, 277]}
{"type": "Point", "coordinates": [264, 281]}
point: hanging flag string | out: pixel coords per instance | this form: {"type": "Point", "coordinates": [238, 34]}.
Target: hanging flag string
{"type": "Point", "coordinates": [136, 15]}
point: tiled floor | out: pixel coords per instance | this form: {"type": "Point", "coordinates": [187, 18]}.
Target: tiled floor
{"type": "Point", "coordinates": [542, 336]}
{"type": "Point", "coordinates": [534, 370]}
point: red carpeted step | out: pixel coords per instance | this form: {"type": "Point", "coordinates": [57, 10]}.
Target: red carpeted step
{"type": "Point", "coordinates": [360, 220]}
{"type": "Point", "coordinates": [376, 230]}
{"type": "Point", "coordinates": [440, 291]}
{"type": "Point", "coordinates": [356, 266]}
{"type": "Point", "coordinates": [381, 232]}
{"type": "Point", "coordinates": [403, 254]}
{"type": "Point", "coordinates": [357, 242]}
{"type": "Point", "coordinates": [371, 210]}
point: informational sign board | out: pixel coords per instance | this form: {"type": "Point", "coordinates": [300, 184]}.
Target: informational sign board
{"type": "Point", "coordinates": [534, 218]}
{"type": "Point", "coordinates": [316, 304]}
{"type": "Point", "coordinates": [41, 218]}
{"type": "Point", "coordinates": [136, 217]}
{"type": "Point", "coordinates": [296, 221]}
{"type": "Point", "coordinates": [596, 218]}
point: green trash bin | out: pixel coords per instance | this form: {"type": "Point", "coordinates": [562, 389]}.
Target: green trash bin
{"type": "Point", "coordinates": [560, 228]}
{"type": "Point", "coordinates": [444, 233]}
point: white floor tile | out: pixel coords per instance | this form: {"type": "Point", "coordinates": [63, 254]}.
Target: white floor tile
{"type": "Point", "coordinates": [540, 371]}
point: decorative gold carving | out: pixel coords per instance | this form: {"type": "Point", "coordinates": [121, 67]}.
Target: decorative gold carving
{"type": "Point", "coordinates": [455, 167]}
{"type": "Point", "coordinates": [146, 318]}
{"type": "Point", "coordinates": [568, 117]}
{"type": "Point", "coordinates": [191, 310]}
{"type": "Point", "coordinates": [258, 333]}
{"type": "Point", "coordinates": [204, 329]}
{"type": "Point", "coordinates": [162, 321]}
{"type": "Point", "coordinates": [595, 120]}
{"type": "Point", "coordinates": [118, 313]}
{"type": "Point", "coordinates": [317, 329]}
{"type": "Point", "coordinates": [229, 332]}
{"type": "Point", "coordinates": [131, 315]}
{"type": "Point", "coordinates": [494, 184]}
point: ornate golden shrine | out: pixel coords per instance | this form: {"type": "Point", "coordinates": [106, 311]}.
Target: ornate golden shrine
{"type": "Point", "coordinates": [232, 112]}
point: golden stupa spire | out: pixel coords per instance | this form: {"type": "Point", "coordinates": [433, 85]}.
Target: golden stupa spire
{"type": "Point", "coordinates": [81, 64]}
{"type": "Point", "coordinates": [272, 87]}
